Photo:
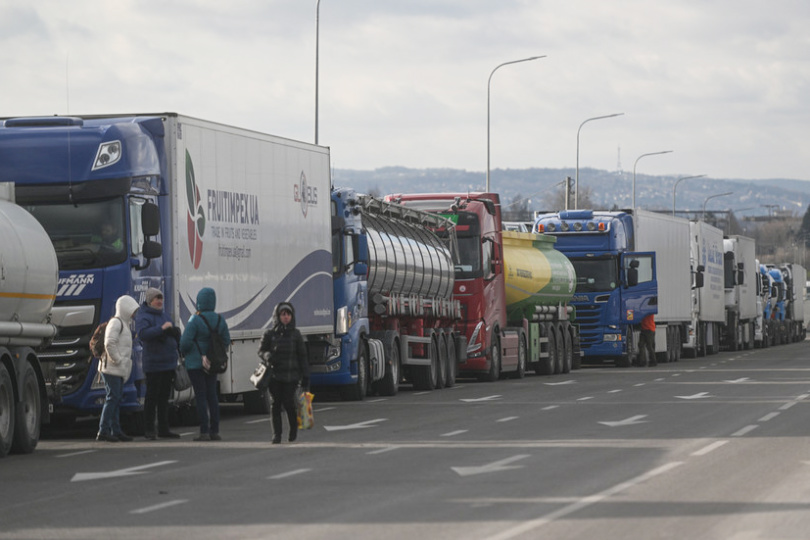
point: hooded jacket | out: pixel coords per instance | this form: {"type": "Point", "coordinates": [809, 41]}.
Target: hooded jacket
{"type": "Point", "coordinates": [287, 352]}
{"type": "Point", "coordinates": [159, 345]}
{"type": "Point", "coordinates": [196, 337]}
{"type": "Point", "coordinates": [118, 339]}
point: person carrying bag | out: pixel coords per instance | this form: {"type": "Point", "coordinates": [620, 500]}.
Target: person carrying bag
{"type": "Point", "coordinates": [285, 353]}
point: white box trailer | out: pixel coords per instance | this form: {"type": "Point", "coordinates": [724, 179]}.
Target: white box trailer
{"type": "Point", "coordinates": [741, 274]}
{"type": "Point", "coordinates": [668, 237]}
{"type": "Point", "coordinates": [251, 219]}
{"type": "Point", "coordinates": [708, 308]}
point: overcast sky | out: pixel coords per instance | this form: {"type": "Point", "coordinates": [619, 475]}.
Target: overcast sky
{"type": "Point", "coordinates": [725, 84]}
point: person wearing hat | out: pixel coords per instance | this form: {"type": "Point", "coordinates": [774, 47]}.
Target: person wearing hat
{"type": "Point", "coordinates": [159, 338]}
{"type": "Point", "coordinates": [285, 353]}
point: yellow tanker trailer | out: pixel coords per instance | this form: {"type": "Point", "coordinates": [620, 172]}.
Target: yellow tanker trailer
{"type": "Point", "coordinates": [540, 282]}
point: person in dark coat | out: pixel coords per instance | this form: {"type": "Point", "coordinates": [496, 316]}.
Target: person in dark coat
{"type": "Point", "coordinates": [285, 353]}
{"type": "Point", "coordinates": [194, 345]}
{"type": "Point", "coordinates": [159, 338]}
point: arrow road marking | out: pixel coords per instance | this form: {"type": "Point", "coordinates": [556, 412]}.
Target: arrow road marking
{"type": "Point", "coordinates": [131, 471]}
{"type": "Point", "coordinates": [496, 466]}
{"type": "Point", "coordinates": [358, 425]}
{"type": "Point", "coordinates": [627, 422]}
{"type": "Point", "coordinates": [488, 398]}
{"type": "Point", "coordinates": [701, 395]}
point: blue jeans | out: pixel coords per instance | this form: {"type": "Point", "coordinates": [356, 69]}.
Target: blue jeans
{"type": "Point", "coordinates": [110, 423]}
{"type": "Point", "coordinates": [205, 394]}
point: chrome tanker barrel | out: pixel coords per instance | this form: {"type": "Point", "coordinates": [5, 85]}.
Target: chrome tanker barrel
{"type": "Point", "coordinates": [28, 276]}
{"type": "Point", "coordinates": [539, 279]}
{"type": "Point", "coordinates": [407, 258]}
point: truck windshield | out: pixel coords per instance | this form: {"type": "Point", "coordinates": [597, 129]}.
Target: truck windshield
{"type": "Point", "coordinates": [596, 275]}
{"type": "Point", "coordinates": [85, 235]}
{"type": "Point", "coordinates": [468, 236]}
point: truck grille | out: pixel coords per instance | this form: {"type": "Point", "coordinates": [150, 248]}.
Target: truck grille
{"type": "Point", "coordinates": [70, 356]}
{"type": "Point", "coordinates": [588, 317]}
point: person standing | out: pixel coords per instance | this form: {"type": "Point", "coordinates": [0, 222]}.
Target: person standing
{"type": "Point", "coordinates": [285, 352]}
{"type": "Point", "coordinates": [647, 341]}
{"type": "Point", "coordinates": [159, 338]}
{"type": "Point", "coordinates": [116, 366]}
{"type": "Point", "coordinates": [193, 345]}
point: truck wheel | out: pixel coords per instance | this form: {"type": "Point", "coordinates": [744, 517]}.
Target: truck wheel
{"type": "Point", "coordinates": [28, 419]}
{"type": "Point", "coordinates": [545, 366]}
{"type": "Point", "coordinates": [494, 372]}
{"type": "Point", "coordinates": [441, 360]}
{"type": "Point", "coordinates": [6, 411]}
{"type": "Point", "coordinates": [452, 361]}
{"type": "Point", "coordinates": [576, 356]}
{"type": "Point", "coordinates": [568, 352]}
{"type": "Point", "coordinates": [558, 357]}
{"type": "Point", "coordinates": [258, 401]}
{"type": "Point", "coordinates": [424, 377]}
{"type": "Point", "coordinates": [389, 384]}
{"type": "Point", "coordinates": [358, 390]}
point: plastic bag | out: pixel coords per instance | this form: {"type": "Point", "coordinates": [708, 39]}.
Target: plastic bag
{"type": "Point", "coordinates": [181, 379]}
{"type": "Point", "coordinates": [303, 404]}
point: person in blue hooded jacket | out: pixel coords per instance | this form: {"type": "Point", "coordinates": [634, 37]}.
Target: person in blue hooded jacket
{"type": "Point", "coordinates": [159, 338]}
{"type": "Point", "coordinates": [193, 345]}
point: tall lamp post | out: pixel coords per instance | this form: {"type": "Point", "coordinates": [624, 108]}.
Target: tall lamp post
{"type": "Point", "coordinates": [317, 33]}
{"type": "Point", "coordinates": [576, 178]}
{"type": "Point", "coordinates": [634, 170]}
{"type": "Point", "coordinates": [489, 85]}
{"type": "Point", "coordinates": [703, 215]}
{"type": "Point", "coordinates": [678, 181]}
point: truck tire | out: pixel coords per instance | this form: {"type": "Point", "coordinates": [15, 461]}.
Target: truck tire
{"type": "Point", "coordinates": [258, 401]}
{"type": "Point", "coordinates": [568, 352]}
{"type": "Point", "coordinates": [441, 360]}
{"type": "Point", "coordinates": [576, 357]}
{"type": "Point", "coordinates": [358, 390]}
{"type": "Point", "coordinates": [560, 345]}
{"type": "Point", "coordinates": [389, 384]}
{"type": "Point", "coordinates": [452, 361]}
{"type": "Point", "coordinates": [6, 411]}
{"type": "Point", "coordinates": [425, 377]}
{"type": "Point", "coordinates": [28, 418]}
{"type": "Point", "coordinates": [545, 366]}
{"type": "Point", "coordinates": [494, 372]}
{"type": "Point", "coordinates": [520, 372]}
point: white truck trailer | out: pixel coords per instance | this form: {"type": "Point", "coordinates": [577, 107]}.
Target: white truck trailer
{"type": "Point", "coordinates": [708, 304]}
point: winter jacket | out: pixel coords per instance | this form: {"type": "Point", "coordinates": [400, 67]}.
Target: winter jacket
{"type": "Point", "coordinates": [118, 339]}
{"type": "Point", "coordinates": [196, 336]}
{"type": "Point", "coordinates": [159, 345]}
{"type": "Point", "coordinates": [287, 352]}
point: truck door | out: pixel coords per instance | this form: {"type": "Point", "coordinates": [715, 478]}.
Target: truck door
{"type": "Point", "coordinates": [639, 286]}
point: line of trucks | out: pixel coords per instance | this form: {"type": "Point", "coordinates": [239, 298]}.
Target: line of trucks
{"type": "Point", "coordinates": [414, 289]}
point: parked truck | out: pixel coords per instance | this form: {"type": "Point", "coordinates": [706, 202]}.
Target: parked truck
{"type": "Point", "coordinates": [28, 275]}
{"type": "Point", "coordinates": [514, 288]}
{"type": "Point", "coordinates": [708, 301]}
{"type": "Point", "coordinates": [195, 204]}
{"type": "Point", "coordinates": [628, 265]}
{"type": "Point", "coordinates": [393, 294]}
{"type": "Point", "coordinates": [740, 283]}
{"type": "Point", "coordinates": [794, 276]}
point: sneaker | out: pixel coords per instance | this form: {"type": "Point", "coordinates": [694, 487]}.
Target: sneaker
{"type": "Point", "coordinates": [109, 438]}
{"type": "Point", "coordinates": [215, 437]}
{"type": "Point", "coordinates": [123, 437]}
{"type": "Point", "coordinates": [277, 439]}
{"type": "Point", "coordinates": [203, 437]}
{"type": "Point", "coordinates": [150, 436]}
{"type": "Point", "coordinates": [169, 435]}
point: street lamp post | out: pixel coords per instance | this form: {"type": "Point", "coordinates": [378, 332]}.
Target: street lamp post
{"type": "Point", "coordinates": [634, 171]}
{"type": "Point", "coordinates": [576, 178]}
{"type": "Point", "coordinates": [489, 85]}
{"type": "Point", "coordinates": [703, 215]}
{"type": "Point", "coordinates": [678, 181]}
{"type": "Point", "coordinates": [317, 32]}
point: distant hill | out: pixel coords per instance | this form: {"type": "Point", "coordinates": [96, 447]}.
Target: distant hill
{"type": "Point", "coordinates": [607, 189]}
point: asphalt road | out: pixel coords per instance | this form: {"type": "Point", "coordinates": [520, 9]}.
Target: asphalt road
{"type": "Point", "coordinates": [713, 448]}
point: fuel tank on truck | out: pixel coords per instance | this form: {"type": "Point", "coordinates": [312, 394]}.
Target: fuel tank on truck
{"type": "Point", "coordinates": [407, 258]}
{"type": "Point", "coordinates": [28, 277]}
{"type": "Point", "coordinates": [536, 274]}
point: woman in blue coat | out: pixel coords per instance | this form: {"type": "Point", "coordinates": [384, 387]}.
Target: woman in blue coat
{"type": "Point", "coordinates": [194, 345]}
{"type": "Point", "coordinates": [159, 338]}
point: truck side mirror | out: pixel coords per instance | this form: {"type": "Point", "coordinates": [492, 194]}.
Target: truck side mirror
{"type": "Point", "coordinates": [699, 280]}
{"type": "Point", "coordinates": [152, 249]}
{"type": "Point", "coordinates": [740, 273]}
{"type": "Point", "coordinates": [362, 250]}
{"type": "Point", "coordinates": [360, 269]}
{"type": "Point", "coordinates": [150, 219]}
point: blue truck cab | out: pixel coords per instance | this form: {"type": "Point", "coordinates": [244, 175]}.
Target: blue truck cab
{"type": "Point", "coordinates": [616, 286]}
{"type": "Point", "coordinates": [93, 186]}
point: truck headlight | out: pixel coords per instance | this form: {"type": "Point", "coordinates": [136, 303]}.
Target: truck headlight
{"type": "Point", "coordinates": [108, 153]}
{"type": "Point", "coordinates": [612, 337]}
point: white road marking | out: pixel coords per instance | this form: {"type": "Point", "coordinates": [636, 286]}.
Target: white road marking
{"type": "Point", "coordinates": [786, 406]}
{"type": "Point", "coordinates": [382, 450]}
{"type": "Point", "coordinates": [288, 474]}
{"type": "Point", "coordinates": [706, 449]}
{"type": "Point", "coordinates": [584, 502]}
{"type": "Point", "coordinates": [585, 398]}
{"type": "Point", "coordinates": [613, 391]}
{"type": "Point", "coordinates": [743, 431]}
{"type": "Point", "coordinates": [358, 425]}
{"type": "Point", "coordinates": [76, 453]}
{"type": "Point", "coordinates": [495, 466]}
{"type": "Point", "coordinates": [769, 416]}
{"type": "Point", "coordinates": [550, 407]}
{"type": "Point", "coordinates": [508, 419]}
{"type": "Point", "coordinates": [259, 421]}
{"type": "Point", "coordinates": [161, 506]}
{"type": "Point", "coordinates": [454, 433]}
{"type": "Point", "coordinates": [130, 471]}
{"type": "Point", "coordinates": [627, 421]}
{"type": "Point", "coordinates": [477, 400]}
